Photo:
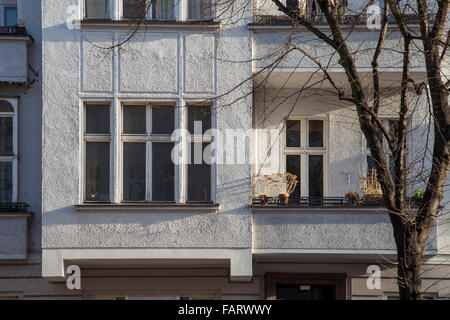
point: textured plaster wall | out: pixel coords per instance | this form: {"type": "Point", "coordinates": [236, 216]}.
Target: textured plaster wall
{"type": "Point", "coordinates": [365, 231]}
{"type": "Point", "coordinates": [361, 42]}
{"type": "Point", "coordinates": [155, 65]}
{"type": "Point", "coordinates": [13, 237]}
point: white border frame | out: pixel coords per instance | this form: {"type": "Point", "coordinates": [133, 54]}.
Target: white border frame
{"type": "Point", "coordinates": [97, 138]}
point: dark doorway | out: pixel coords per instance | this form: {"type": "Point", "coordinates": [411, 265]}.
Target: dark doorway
{"type": "Point", "coordinates": [305, 286]}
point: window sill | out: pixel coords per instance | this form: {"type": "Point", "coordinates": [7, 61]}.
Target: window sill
{"type": "Point", "coordinates": [149, 24]}
{"type": "Point", "coordinates": [149, 207]}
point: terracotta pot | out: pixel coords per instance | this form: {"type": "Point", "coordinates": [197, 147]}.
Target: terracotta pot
{"type": "Point", "coordinates": [284, 198]}
{"type": "Point", "coordinates": [264, 199]}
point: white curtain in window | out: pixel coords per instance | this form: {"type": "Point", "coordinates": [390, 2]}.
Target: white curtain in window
{"type": "Point", "coordinates": [97, 9]}
{"type": "Point", "coordinates": [199, 10]}
{"type": "Point", "coordinates": [163, 10]}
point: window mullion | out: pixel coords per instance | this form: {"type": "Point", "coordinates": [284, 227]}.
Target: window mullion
{"type": "Point", "coordinates": [148, 162]}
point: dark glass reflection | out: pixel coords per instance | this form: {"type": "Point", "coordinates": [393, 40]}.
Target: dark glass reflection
{"type": "Point", "coordinates": [163, 185]}
{"type": "Point", "coordinates": [134, 171]}
{"type": "Point", "coordinates": [97, 171]}
{"type": "Point", "coordinates": [293, 133]}
{"type": "Point", "coordinates": [315, 175]}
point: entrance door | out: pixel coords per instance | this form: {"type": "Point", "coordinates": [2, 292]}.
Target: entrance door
{"type": "Point", "coordinates": [303, 286]}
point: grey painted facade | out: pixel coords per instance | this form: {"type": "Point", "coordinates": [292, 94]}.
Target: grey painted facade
{"type": "Point", "coordinates": [223, 250]}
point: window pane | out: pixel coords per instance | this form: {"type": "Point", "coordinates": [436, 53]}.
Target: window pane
{"type": "Point", "coordinates": [293, 167]}
{"type": "Point", "coordinates": [316, 176]}
{"type": "Point", "coordinates": [315, 133]}
{"type": "Point", "coordinates": [163, 186]}
{"type": "Point", "coordinates": [134, 120]}
{"type": "Point", "coordinates": [134, 171]}
{"type": "Point", "coordinates": [162, 120]}
{"type": "Point", "coordinates": [293, 133]}
{"type": "Point", "coordinates": [10, 16]}
{"type": "Point", "coordinates": [163, 10]}
{"type": "Point", "coordinates": [5, 106]}
{"type": "Point", "coordinates": [370, 163]}
{"type": "Point", "coordinates": [199, 176]}
{"type": "Point", "coordinates": [199, 116]}
{"type": "Point", "coordinates": [97, 171]}
{"type": "Point", "coordinates": [199, 10]}
{"type": "Point", "coordinates": [97, 9]}
{"type": "Point", "coordinates": [97, 119]}
{"type": "Point", "coordinates": [6, 136]}
{"type": "Point", "coordinates": [5, 182]}
{"type": "Point", "coordinates": [134, 9]}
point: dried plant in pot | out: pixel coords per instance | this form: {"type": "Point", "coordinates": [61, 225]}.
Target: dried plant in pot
{"type": "Point", "coordinates": [286, 184]}
{"type": "Point", "coordinates": [372, 194]}
{"type": "Point", "coordinates": [352, 197]}
{"type": "Point", "coordinates": [260, 187]}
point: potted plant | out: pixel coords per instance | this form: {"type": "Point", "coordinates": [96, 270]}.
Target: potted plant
{"type": "Point", "coordinates": [418, 196]}
{"type": "Point", "coordinates": [352, 197]}
{"type": "Point", "coordinates": [286, 184]}
{"type": "Point", "coordinates": [260, 188]}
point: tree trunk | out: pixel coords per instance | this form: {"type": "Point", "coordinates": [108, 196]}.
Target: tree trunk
{"type": "Point", "coordinates": [410, 256]}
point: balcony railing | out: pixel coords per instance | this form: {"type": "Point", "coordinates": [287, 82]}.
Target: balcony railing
{"type": "Point", "coordinates": [319, 19]}
{"type": "Point", "coordinates": [13, 31]}
{"type": "Point", "coordinates": [13, 207]}
{"type": "Point", "coordinates": [308, 201]}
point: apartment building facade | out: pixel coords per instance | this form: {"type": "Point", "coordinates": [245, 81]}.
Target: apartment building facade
{"type": "Point", "coordinates": [100, 120]}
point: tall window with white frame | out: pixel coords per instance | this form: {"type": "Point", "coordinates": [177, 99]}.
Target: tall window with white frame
{"type": "Point", "coordinates": [8, 152]}
{"type": "Point", "coordinates": [304, 153]}
{"type": "Point", "coordinates": [199, 153]}
{"type": "Point", "coordinates": [97, 139]}
{"type": "Point", "coordinates": [148, 172]}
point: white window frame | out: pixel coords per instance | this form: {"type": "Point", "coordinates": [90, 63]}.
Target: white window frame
{"type": "Point", "coordinates": [95, 137]}
{"type": "Point", "coordinates": [148, 138]}
{"type": "Point", "coordinates": [116, 147]}
{"type": "Point", "coordinates": [199, 139]}
{"type": "Point", "coordinates": [304, 151]}
{"type": "Point", "coordinates": [14, 157]}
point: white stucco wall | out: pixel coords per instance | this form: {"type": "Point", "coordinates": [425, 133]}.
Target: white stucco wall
{"type": "Point", "coordinates": [155, 65]}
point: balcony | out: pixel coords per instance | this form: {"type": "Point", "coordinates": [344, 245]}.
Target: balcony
{"type": "Point", "coordinates": [14, 221]}
{"type": "Point", "coordinates": [318, 227]}
{"type": "Point", "coordinates": [14, 51]}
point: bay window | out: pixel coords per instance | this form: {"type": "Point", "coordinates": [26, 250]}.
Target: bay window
{"type": "Point", "coordinates": [304, 155]}
{"type": "Point", "coordinates": [8, 151]}
{"type": "Point", "coordinates": [97, 138]}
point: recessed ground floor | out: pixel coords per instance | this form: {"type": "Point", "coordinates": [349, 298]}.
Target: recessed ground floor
{"type": "Point", "coordinates": [272, 279]}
